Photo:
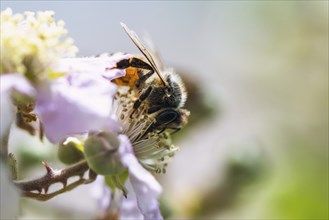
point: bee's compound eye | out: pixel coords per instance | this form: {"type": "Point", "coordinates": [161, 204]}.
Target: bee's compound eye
{"type": "Point", "coordinates": [166, 116]}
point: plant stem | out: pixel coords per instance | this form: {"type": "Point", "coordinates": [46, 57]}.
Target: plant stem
{"type": "Point", "coordinates": [52, 176]}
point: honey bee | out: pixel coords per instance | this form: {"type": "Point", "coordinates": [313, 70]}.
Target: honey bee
{"type": "Point", "coordinates": [163, 94]}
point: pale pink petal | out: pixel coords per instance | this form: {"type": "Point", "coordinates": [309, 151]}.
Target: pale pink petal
{"type": "Point", "coordinates": [145, 186]}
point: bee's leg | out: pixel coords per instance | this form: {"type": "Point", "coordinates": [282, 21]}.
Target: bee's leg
{"type": "Point", "coordinates": [162, 130]}
{"type": "Point", "coordinates": [175, 130]}
{"type": "Point", "coordinates": [132, 62]}
{"type": "Point", "coordinates": [143, 78]}
{"type": "Point", "coordinates": [161, 120]}
{"type": "Point", "coordinates": [141, 98]}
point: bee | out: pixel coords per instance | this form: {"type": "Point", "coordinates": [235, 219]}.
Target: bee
{"type": "Point", "coordinates": [163, 94]}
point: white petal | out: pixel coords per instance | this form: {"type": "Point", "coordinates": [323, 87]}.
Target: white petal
{"type": "Point", "coordinates": [102, 193]}
{"type": "Point", "coordinates": [145, 186]}
{"type": "Point", "coordinates": [9, 196]}
{"type": "Point", "coordinates": [76, 104]}
{"type": "Point", "coordinates": [129, 208]}
{"type": "Point", "coordinates": [95, 65]}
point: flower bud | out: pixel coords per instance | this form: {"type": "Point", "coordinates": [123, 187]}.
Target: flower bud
{"type": "Point", "coordinates": [70, 151]}
{"type": "Point", "coordinates": [101, 152]}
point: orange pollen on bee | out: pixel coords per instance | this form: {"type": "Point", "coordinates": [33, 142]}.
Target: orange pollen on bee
{"type": "Point", "coordinates": [130, 79]}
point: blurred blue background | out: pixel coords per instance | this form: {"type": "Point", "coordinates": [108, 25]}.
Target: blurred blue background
{"type": "Point", "coordinates": [261, 66]}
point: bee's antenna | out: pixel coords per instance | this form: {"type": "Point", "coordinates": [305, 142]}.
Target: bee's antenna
{"type": "Point", "coordinates": [133, 36]}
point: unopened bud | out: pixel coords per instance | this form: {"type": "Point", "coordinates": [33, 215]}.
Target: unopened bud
{"type": "Point", "coordinates": [70, 151]}
{"type": "Point", "coordinates": [101, 152]}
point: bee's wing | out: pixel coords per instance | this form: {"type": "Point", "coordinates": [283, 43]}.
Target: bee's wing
{"type": "Point", "coordinates": [152, 48]}
{"type": "Point", "coordinates": [133, 36]}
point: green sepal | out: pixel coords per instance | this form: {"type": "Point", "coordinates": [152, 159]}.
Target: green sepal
{"type": "Point", "coordinates": [118, 182]}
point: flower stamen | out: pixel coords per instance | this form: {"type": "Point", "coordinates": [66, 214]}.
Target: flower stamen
{"type": "Point", "coordinates": [152, 149]}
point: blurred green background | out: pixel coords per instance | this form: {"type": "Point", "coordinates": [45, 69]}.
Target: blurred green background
{"type": "Point", "coordinates": [257, 144]}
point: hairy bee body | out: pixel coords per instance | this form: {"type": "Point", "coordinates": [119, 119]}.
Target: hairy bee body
{"type": "Point", "coordinates": [162, 94]}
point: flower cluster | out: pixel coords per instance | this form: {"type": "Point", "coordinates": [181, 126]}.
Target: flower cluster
{"type": "Point", "coordinates": [32, 43]}
{"type": "Point", "coordinates": [78, 107]}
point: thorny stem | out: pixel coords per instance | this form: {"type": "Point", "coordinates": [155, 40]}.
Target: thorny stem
{"type": "Point", "coordinates": [45, 197]}
{"type": "Point", "coordinates": [54, 176]}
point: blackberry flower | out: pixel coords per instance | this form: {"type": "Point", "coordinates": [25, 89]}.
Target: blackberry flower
{"type": "Point", "coordinates": [74, 96]}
